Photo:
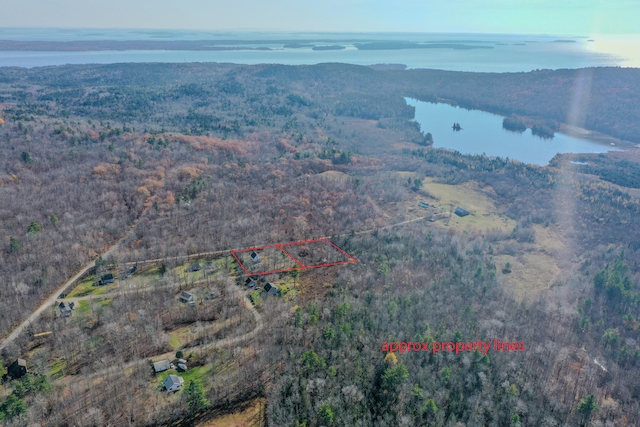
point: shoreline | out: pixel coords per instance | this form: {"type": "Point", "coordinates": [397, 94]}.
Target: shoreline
{"type": "Point", "coordinates": [597, 137]}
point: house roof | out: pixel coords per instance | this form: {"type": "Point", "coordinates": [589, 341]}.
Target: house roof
{"type": "Point", "coordinates": [162, 365]}
{"type": "Point", "coordinates": [172, 380]}
{"type": "Point", "coordinates": [20, 362]}
{"type": "Point", "coordinates": [64, 306]}
{"type": "Point", "coordinates": [270, 287]}
{"type": "Point", "coordinates": [461, 212]}
{"type": "Point", "coordinates": [186, 296]}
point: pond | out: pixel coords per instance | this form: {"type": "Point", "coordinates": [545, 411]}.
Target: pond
{"type": "Point", "coordinates": [482, 133]}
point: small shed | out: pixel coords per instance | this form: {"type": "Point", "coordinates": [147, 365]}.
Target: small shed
{"type": "Point", "coordinates": [271, 289]}
{"type": "Point", "coordinates": [423, 205]}
{"type": "Point", "coordinates": [173, 383]}
{"type": "Point", "coordinates": [461, 212]}
{"type": "Point", "coordinates": [195, 267]}
{"type": "Point", "coordinates": [17, 369]}
{"type": "Point", "coordinates": [65, 309]}
{"type": "Point", "coordinates": [161, 366]}
{"type": "Point", "coordinates": [255, 257]}
{"type": "Point", "coordinates": [187, 298]}
{"type": "Point", "coordinates": [250, 283]}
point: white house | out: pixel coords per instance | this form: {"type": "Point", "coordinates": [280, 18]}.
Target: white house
{"type": "Point", "coordinates": [173, 383]}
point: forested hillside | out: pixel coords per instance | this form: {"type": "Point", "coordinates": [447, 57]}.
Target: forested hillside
{"type": "Point", "coordinates": [182, 163]}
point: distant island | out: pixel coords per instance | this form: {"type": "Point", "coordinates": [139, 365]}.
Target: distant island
{"type": "Point", "coordinates": [330, 47]}
{"type": "Point", "coordinates": [121, 45]}
{"type": "Point", "coordinates": [514, 124]}
{"type": "Point", "coordinates": [410, 45]}
{"type": "Point", "coordinates": [543, 131]}
{"type": "Point", "coordinates": [297, 45]}
{"type": "Point", "coordinates": [564, 41]}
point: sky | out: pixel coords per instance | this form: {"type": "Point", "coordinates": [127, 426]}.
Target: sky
{"type": "Point", "coordinates": [562, 17]}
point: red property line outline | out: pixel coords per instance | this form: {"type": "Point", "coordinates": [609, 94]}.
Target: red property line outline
{"type": "Point", "coordinates": [281, 246]}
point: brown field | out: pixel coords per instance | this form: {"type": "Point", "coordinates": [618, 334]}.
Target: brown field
{"type": "Point", "coordinates": [538, 268]}
{"type": "Point", "coordinates": [251, 416]}
{"type": "Point", "coordinates": [484, 215]}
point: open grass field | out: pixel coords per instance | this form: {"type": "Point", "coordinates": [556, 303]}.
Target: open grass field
{"type": "Point", "coordinates": [537, 268]}
{"type": "Point", "coordinates": [335, 176]}
{"type": "Point", "coordinates": [141, 279]}
{"type": "Point", "coordinates": [87, 287]}
{"type": "Point", "coordinates": [484, 215]}
{"type": "Point", "coordinates": [199, 373]}
{"type": "Point", "coordinates": [531, 273]}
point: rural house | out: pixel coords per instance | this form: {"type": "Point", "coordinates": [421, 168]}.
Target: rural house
{"type": "Point", "coordinates": [17, 369]}
{"type": "Point", "coordinates": [106, 279]}
{"type": "Point", "coordinates": [65, 309]}
{"type": "Point", "coordinates": [187, 298]}
{"type": "Point", "coordinates": [161, 366]}
{"type": "Point", "coordinates": [255, 257]}
{"type": "Point", "coordinates": [173, 383]}
{"type": "Point", "coordinates": [195, 267]}
{"type": "Point", "coordinates": [271, 289]}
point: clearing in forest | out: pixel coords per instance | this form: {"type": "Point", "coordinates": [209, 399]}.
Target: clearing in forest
{"type": "Point", "coordinates": [471, 197]}
{"type": "Point", "coordinates": [285, 257]}
{"type": "Point", "coordinates": [251, 414]}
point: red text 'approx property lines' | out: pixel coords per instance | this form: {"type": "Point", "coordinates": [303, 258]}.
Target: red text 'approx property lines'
{"type": "Point", "coordinates": [451, 347]}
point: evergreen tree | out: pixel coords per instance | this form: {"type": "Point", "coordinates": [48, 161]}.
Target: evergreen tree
{"type": "Point", "coordinates": [34, 228]}
{"type": "Point", "coordinates": [587, 406]}
{"type": "Point", "coordinates": [26, 158]}
{"type": "Point", "coordinates": [196, 399]}
{"type": "Point", "coordinates": [14, 245]}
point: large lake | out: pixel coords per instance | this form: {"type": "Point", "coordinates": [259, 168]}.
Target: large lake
{"type": "Point", "coordinates": [482, 133]}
